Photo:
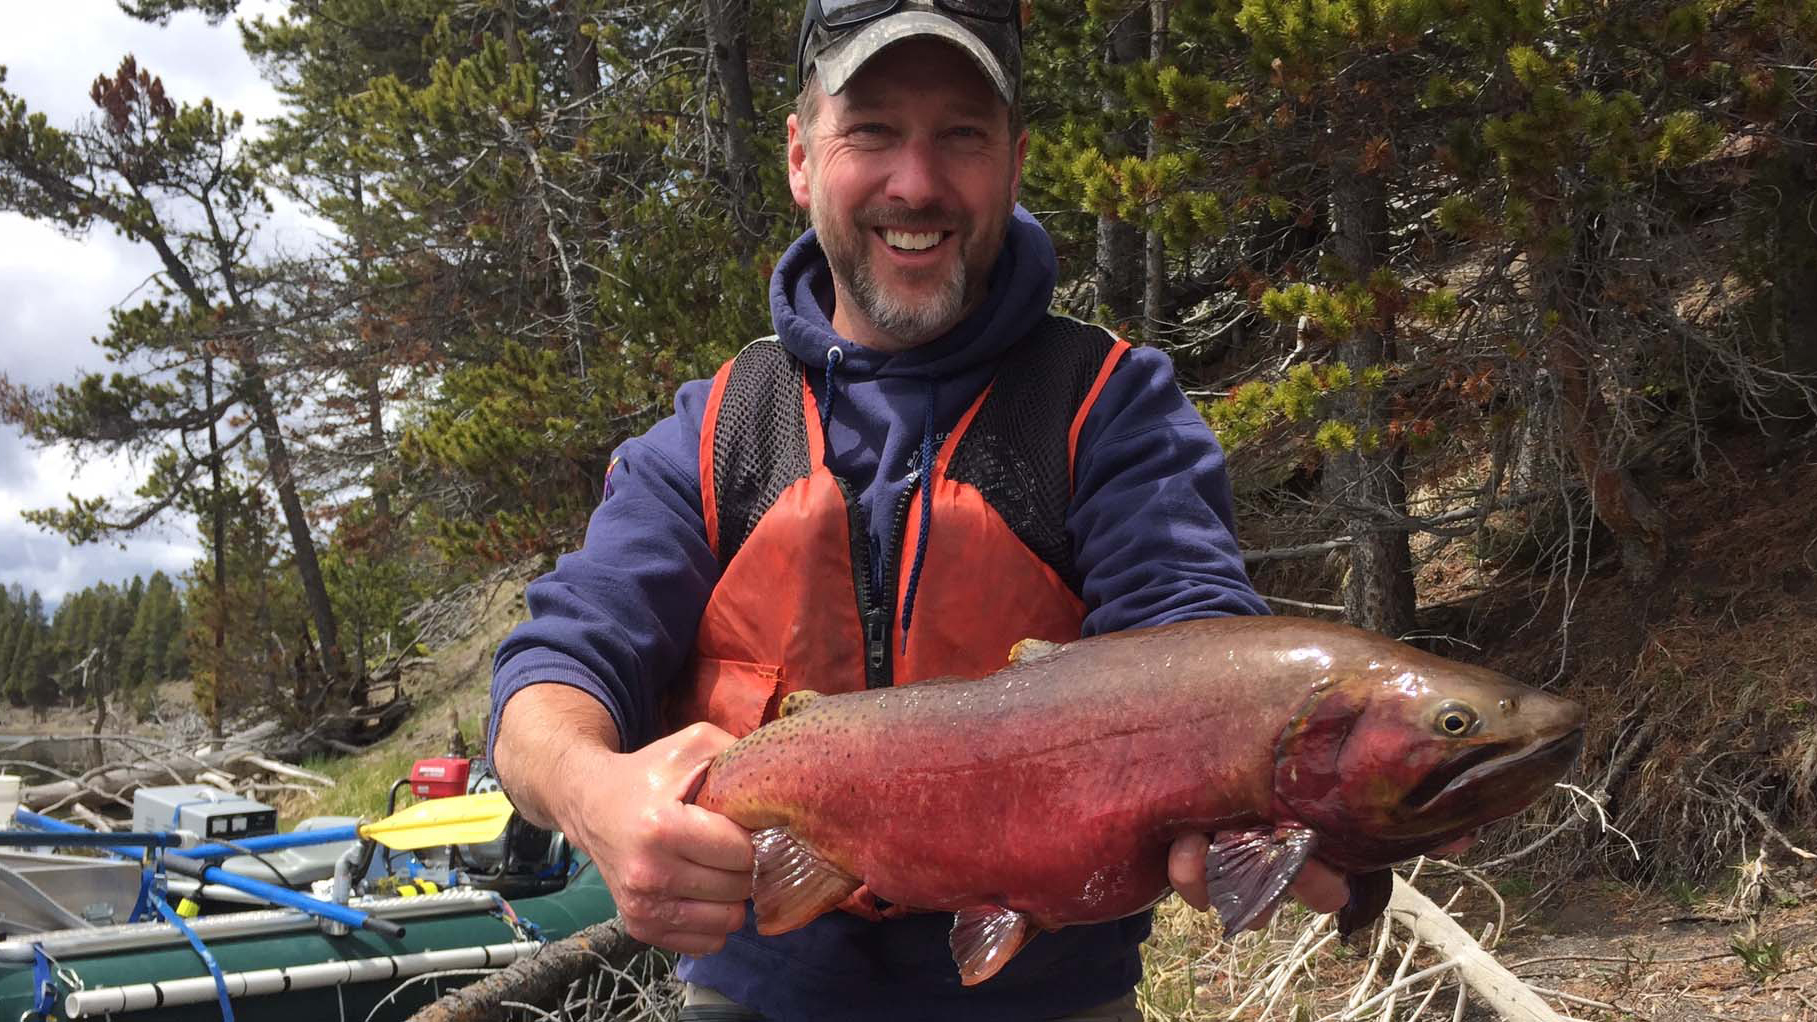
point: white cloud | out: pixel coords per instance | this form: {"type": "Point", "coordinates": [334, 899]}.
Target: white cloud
{"type": "Point", "coordinates": [56, 51]}
{"type": "Point", "coordinates": [49, 564]}
{"type": "Point", "coordinates": [56, 292]}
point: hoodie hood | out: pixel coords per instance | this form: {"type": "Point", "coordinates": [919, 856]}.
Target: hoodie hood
{"type": "Point", "coordinates": [1021, 286]}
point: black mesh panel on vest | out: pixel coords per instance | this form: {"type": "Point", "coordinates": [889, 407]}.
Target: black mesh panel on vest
{"type": "Point", "coordinates": [1014, 452]}
{"type": "Point", "coordinates": [760, 443]}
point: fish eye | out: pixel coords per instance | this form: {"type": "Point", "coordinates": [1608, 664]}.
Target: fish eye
{"type": "Point", "coordinates": [1456, 720]}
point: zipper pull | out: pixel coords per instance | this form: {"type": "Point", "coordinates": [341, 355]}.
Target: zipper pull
{"type": "Point", "coordinates": [876, 639]}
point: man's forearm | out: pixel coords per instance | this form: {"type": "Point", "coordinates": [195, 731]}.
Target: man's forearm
{"type": "Point", "coordinates": [540, 728]}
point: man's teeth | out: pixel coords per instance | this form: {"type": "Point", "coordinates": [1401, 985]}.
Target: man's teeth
{"type": "Point", "coordinates": [911, 242]}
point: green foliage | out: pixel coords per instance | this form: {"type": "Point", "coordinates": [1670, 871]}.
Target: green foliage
{"type": "Point", "coordinates": [1437, 307]}
{"type": "Point", "coordinates": [101, 641]}
{"type": "Point", "coordinates": [1307, 392]}
{"type": "Point", "coordinates": [1335, 313]}
{"type": "Point", "coordinates": [1762, 956]}
{"type": "Point", "coordinates": [1335, 437]}
{"type": "Point", "coordinates": [1460, 215]}
{"type": "Point", "coordinates": [1684, 138]}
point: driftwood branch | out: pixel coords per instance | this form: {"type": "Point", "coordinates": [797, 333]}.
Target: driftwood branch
{"type": "Point", "coordinates": [539, 979]}
{"type": "Point", "coordinates": [155, 762]}
{"type": "Point", "coordinates": [272, 766]}
{"type": "Point", "coordinates": [1500, 989]}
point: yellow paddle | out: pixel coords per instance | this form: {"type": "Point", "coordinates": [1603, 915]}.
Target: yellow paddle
{"type": "Point", "coordinates": [457, 820]}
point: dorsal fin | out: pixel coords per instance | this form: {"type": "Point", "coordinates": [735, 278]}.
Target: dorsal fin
{"type": "Point", "coordinates": [796, 701]}
{"type": "Point", "coordinates": [1033, 649]}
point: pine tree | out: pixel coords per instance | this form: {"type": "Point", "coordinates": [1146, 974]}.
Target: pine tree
{"type": "Point", "coordinates": [610, 241]}
{"type": "Point", "coordinates": [180, 179]}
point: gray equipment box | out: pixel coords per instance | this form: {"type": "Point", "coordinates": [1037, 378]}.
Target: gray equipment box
{"type": "Point", "coordinates": [209, 813]}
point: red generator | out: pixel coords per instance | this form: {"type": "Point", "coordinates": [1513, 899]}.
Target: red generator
{"type": "Point", "coordinates": [441, 777]}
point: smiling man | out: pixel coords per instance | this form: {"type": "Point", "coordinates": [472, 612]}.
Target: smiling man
{"type": "Point", "coordinates": [909, 175]}
{"type": "Point", "coordinates": [921, 468]}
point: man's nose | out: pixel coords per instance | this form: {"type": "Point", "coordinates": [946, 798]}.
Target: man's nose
{"type": "Point", "coordinates": [917, 179]}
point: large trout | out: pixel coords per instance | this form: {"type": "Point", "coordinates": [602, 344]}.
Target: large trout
{"type": "Point", "coordinates": [1048, 793]}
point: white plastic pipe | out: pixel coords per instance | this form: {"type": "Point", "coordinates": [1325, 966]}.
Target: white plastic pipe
{"type": "Point", "coordinates": [197, 989]}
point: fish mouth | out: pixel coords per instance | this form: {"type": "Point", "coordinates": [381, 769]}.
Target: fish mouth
{"type": "Point", "coordinates": [1546, 759]}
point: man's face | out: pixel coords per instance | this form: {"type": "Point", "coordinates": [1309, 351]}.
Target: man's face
{"type": "Point", "coordinates": [909, 176]}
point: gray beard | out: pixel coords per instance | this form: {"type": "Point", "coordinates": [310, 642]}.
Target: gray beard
{"type": "Point", "coordinates": [911, 323]}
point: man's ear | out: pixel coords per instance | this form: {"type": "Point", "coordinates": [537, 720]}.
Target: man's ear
{"type": "Point", "coordinates": [798, 162]}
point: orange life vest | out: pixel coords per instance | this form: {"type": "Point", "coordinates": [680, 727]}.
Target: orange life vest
{"type": "Point", "coordinates": [793, 607]}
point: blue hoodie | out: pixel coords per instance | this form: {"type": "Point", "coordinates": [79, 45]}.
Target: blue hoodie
{"type": "Point", "coordinates": [1152, 528]}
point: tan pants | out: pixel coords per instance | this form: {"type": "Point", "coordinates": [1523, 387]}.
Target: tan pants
{"type": "Point", "coordinates": [1122, 1009]}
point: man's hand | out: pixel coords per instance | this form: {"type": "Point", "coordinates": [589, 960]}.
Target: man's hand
{"type": "Point", "coordinates": [679, 873]}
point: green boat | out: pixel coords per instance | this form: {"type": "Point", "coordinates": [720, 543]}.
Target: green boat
{"type": "Point", "coordinates": [82, 937]}
{"type": "Point", "coordinates": [279, 964]}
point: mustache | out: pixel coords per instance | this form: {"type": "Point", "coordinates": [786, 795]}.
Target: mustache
{"type": "Point", "coordinates": [896, 218]}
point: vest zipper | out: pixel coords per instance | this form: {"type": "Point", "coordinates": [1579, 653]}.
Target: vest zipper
{"type": "Point", "coordinates": [885, 605]}
{"type": "Point", "coordinates": [872, 617]}
{"type": "Point", "coordinates": [874, 581]}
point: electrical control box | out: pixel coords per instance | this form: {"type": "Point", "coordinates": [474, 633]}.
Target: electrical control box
{"type": "Point", "coordinates": [209, 813]}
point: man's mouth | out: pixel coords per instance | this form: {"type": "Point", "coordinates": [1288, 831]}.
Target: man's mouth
{"type": "Point", "coordinates": [911, 241]}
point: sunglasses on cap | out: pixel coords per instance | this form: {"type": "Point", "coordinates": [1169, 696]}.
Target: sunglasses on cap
{"type": "Point", "coordinates": [835, 17]}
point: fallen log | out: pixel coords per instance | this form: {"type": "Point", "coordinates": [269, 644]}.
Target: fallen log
{"type": "Point", "coordinates": [1500, 989]}
{"type": "Point", "coordinates": [540, 978]}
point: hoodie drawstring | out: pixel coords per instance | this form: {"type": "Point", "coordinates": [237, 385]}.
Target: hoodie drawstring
{"type": "Point", "coordinates": [834, 356]}
{"type": "Point", "coordinates": [927, 512]}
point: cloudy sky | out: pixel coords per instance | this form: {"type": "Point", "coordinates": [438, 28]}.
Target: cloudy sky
{"type": "Point", "coordinates": [56, 291]}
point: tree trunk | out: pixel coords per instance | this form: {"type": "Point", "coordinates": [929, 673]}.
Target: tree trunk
{"type": "Point", "coordinates": [1120, 256]}
{"type": "Point", "coordinates": [1793, 178]}
{"type": "Point", "coordinates": [1367, 486]}
{"type": "Point", "coordinates": [583, 57]}
{"type": "Point", "coordinates": [1795, 266]}
{"type": "Point", "coordinates": [369, 377]}
{"type": "Point", "coordinates": [1154, 278]}
{"type": "Point", "coordinates": [727, 38]}
{"type": "Point", "coordinates": [217, 529]}
{"type": "Point", "coordinates": [309, 570]}
{"type": "Point", "coordinates": [514, 47]}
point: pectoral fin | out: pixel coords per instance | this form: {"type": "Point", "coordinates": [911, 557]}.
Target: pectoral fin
{"type": "Point", "coordinates": [792, 883]}
{"type": "Point", "coordinates": [1247, 871]}
{"type": "Point", "coordinates": [985, 938]}
{"type": "Point", "coordinates": [1368, 899]}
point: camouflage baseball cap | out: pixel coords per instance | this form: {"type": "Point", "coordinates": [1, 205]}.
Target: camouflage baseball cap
{"type": "Point", "coordinates": [840, 36]}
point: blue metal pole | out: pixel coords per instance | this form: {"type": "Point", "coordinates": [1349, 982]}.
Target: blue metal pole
{"type": "Point", "coordinates": [273, 842]}
{"type": "Point", "coordinates": [31, 819]}
{"type": "Point", "coordinates": [92, 839]}
{"type": "Point", "coordinates": [262, 843]}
